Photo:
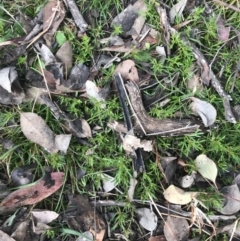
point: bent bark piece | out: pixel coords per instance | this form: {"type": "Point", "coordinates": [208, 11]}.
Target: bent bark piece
{"type": "Point", "coordinates": [153, 126]}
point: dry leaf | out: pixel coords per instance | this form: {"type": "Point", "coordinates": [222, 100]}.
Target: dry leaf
{"type": "Point", "coordinates": [147, 218]}
{"type": "Point", "coordinates": [169, 166]}
{"type": "Point", "coordinates": [30, 195]}
{"type": "Point", "coordinates": [53, 15]}
{"type": "Point", "coordinates": [7, 76]}
{"type": "Point", "coordinates": [194, 83]}
{"type": "Point", "coordinates": [141, 7]}
{"type": "Point", "coordinates": [44, 216]}
{"type": "Point", "coordinates": [109, 182]}
{"type": "Point", "coordinates": [176, 229]}
{"type": "Point", "coordinates": [36, 130]}
{"type": "Point", "coordinates": [231, 204]}
{"type": "Point", "coordinates": [5, 237]}
{"type": "Point", "coordinates": [21, 231]}
{"type": "Point", "coordinates": [78, 127]}
{"type": "Point", "coordinates": [206, 167]}
{"type": "Point", "coordinates": [80, 213]}
{"type": "Point", "coordinates": [223, 32]}
{"type": "Point", "coordinates": [98, 236]}
{"type": "Point", "coordinates": [62, 142]}
{"type": "Point", "coordinates": [162, 53]}
{"type": "Point", "coordinates": [78, 77]}
{"type": "Point", "coordinates": [119, 127]}
{"type": "Point", "coordinates": [46, 54]}
{"type": "Point", "coordinates": [205, 110]}
{"type": "Point", "coordinates": [177, 9]}
{"type": "Point", "coordinates": [65, 55]}
{"type": "Point", "coordinates": [93, 91]}
{"type": "Point", "coordinates": [131, 142]}
{"type": "Point", "coordinates": [187, 180]}
{"type": "Point", "coordinates": [86, 234]}
{"type": "Point", "coordinates": [229, 229]}
{"type": "Point", "coordinates": [40, 228]}
{"type": "Point", "coordinates": [128, 70]}
{"type": "Point", "coordinates": [125, 19]}
{"type": "Point", "coordinates": [178, 196]}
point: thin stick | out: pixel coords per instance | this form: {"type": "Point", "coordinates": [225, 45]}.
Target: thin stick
{"type": "Point", "coordinates": [48, 27]}
{"type": "Point", "coordinates": [227, 5]}
{"type": "Point", "coordinates": [44, 77]}
{"type": "Point", "coordinates": [139, 122]}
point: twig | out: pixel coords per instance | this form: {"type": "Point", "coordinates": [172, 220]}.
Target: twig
{"type": "Point", "coordinates": [227, 5]}
{"type": "Point", "coordinates": [77, 16]}
{"type": "Point", "coordinates": [48, 27]}
{"type": "Point", "coordinates": [165, 26]}
{"type": "Point", "coordinates": [213, 218]}
{"type": "Point", "coordinates": [208, 75]}
{"type": "Point", "coordinates": [138, 163]}
{"type": "Point", "coordinates": [164, 4]}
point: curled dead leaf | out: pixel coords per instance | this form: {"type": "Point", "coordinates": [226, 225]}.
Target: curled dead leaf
{"type": "Point", "coordinates": [176, 195]}
{"type": "Point", "coordinates": [128, 70]}
{"type": "Point", "coordinates": [205, 110]}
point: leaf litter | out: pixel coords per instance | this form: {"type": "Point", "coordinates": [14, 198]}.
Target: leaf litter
{"type": "Point", "coordinates": [51, 69]}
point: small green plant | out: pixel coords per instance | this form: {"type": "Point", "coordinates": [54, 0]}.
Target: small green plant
{"type": "Point", "coordinates": [117, 30]}
{"type": "Point", "coordinates": [50, 233]}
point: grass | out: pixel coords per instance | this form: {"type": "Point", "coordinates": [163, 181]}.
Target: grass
{"type": "Point", "coordinates": [220, 144]}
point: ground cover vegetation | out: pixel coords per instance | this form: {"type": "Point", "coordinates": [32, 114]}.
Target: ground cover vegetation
{"type": "Point", "coordinates": [119, 120]}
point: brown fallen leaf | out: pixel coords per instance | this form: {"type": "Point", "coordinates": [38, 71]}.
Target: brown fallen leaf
{"type": "Point", "coordinates": [80, 215]}
{"type": "Point", "coordinates": [5, 237]}
{"type": "Point", "coordinates": [98, 236]}
{"type": "Point", "coordinates": [50, 80]}
{"type": "Point", "coordinates": [223, 32]}
{"type": "Point", "coordinates": [65, 55]}
{"type": "Point", "coordinates": [176, 229]}
{"type": "Point", "coordinates": [128, 70]}
{"type": "Point", "coordinates": [30, 195]}
{"type": "Point", "coordinates": [35, 129]}
{"type": "Point", "coordinates": [53, 15]}
{"type": "Point", "coordinates": [141, 8]}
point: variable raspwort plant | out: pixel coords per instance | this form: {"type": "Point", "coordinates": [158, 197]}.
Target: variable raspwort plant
{"type": "Point", "coordinates": [119, 120]}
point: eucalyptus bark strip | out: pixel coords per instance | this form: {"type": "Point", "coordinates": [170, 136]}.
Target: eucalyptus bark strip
{"type": "Point", "coordinates": [154, 126]}
{"type": "Point", "coordinates": [77, 16]}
